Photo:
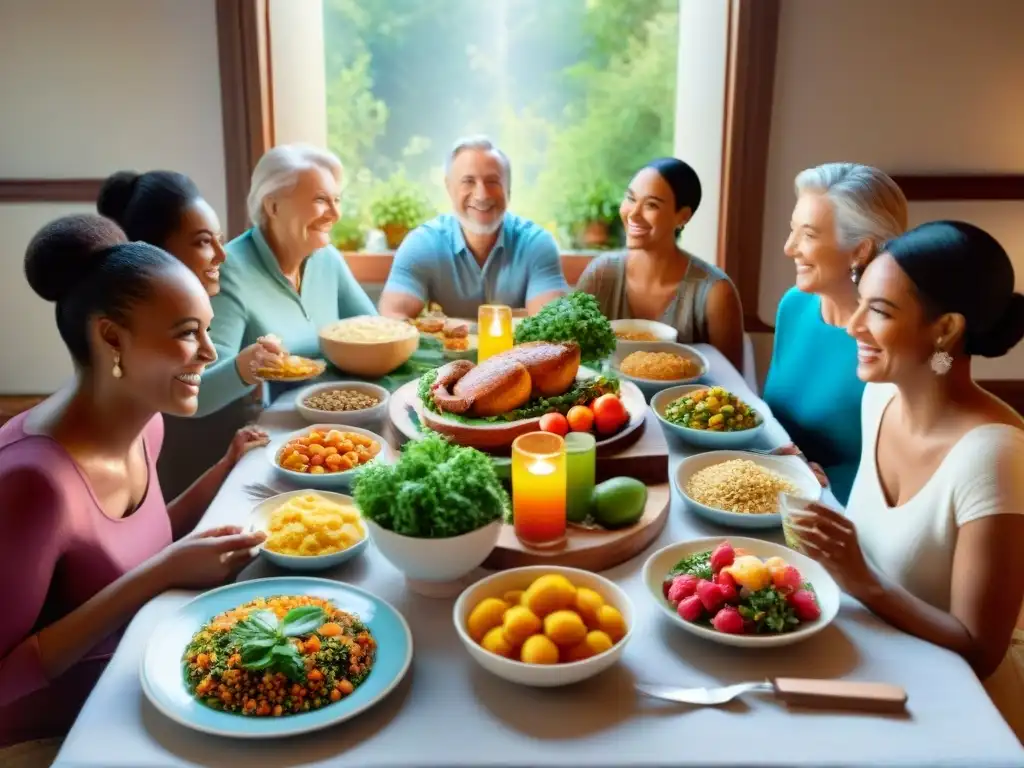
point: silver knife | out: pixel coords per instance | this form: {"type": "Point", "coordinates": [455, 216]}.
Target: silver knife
{"type": "Point", "coordinates": [799, 692]}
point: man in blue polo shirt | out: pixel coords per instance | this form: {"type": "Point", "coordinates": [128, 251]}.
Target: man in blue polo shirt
{"type": "Point", "coordinates": [480, 253]}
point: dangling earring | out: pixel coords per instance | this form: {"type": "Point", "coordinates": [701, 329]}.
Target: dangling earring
{"type": "Point", "coordinates": [117, 372]}
{"type": "Point", "coordinates": [941, 362]}
{"type": "Point", "coordinates": [855, 273]}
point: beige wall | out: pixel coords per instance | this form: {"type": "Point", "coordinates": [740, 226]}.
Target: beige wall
{"type": "Point", "coordinates": [88, 88]}
{"type": "Point", "coordinates": [911, 86]}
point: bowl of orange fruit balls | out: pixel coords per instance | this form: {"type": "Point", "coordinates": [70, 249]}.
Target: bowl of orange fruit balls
{"type": "Point", "coordinates": [326, 456]}
{"type": "Point", "coordinates": [544, 625]}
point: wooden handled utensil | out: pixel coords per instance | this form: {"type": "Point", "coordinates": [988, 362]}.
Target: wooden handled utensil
{"type": "Point", "coordinates": [795, 692]}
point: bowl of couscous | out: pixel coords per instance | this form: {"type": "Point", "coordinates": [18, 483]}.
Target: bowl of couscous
{"type": "Point", "coordinates": [741, 489]}
{"type": "Point", "coordinates": [657, 365]}
{"type": "Point", "coordinates": [309, 530]}
{"type": "Point", "coordinates": [708, 416]}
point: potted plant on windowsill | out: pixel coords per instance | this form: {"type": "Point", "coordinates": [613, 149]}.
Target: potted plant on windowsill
{"type": "Point", "coordinates": [396, 207]}
{"type": "Point", "coordinates": [349, 233]}
{"type": "Point", "coordinates": [591, 214]}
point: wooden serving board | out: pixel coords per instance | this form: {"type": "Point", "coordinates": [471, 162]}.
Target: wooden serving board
{"type": "Point", "coordinates": [642, 453]}
{"type": "Point", "coordinates": [591, 550]}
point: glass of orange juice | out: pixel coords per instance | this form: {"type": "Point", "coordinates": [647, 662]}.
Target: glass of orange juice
{"type": "Point", "coordinates": [538, 489]}
{"type": "Point", "coordinates": [494, 330]}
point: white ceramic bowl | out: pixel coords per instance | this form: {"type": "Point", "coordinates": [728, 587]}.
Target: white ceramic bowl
{"type": "Point", "coordinates": [791, 468]}
{"type": "Point", "coordinates": [259, 520]}
{"type": "Point", "coordinates": [439, 562]}
{"type": "Point", "coordinates": [651, 387]}
{"type": "Point", "coordinates": [332, 481]}
{"type": "Point", "coordinates": [702, 438]}
{"type": "Point", "coordinates": [542, 675]}
{"type": "Point", "coordinates": [660, 331]}
{"type": "Point", "coordinates": [825, 587]}
{"type": "Point", "coordinates": [366, 417]}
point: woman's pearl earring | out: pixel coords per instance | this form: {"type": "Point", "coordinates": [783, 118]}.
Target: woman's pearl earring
{"type": "Point", "coordinates": [117, 372]}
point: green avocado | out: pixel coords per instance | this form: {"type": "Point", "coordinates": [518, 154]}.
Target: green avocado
{"type": "Point", "coordinates": [619, 502]}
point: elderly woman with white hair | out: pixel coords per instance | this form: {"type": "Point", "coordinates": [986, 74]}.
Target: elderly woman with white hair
{"type": "Point", "coordinates": [282, 278]}
{"type": "Point", "coordinates": [844, 214]}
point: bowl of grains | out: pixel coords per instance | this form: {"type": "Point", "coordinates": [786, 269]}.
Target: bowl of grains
{"type": "Point", "coordinates": [356, 403]}
{"type": "Point", "coordinates": [741, 489]}
{"type": "Point", "coordinates": [657, 365]}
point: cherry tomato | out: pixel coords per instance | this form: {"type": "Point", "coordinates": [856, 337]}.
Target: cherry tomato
{"type": "Point", "coordinates": [609, 414]}
{"type": "Point", "coordinates": [554, 422]}
{"type": "Point", "coordinates": [580, 418]}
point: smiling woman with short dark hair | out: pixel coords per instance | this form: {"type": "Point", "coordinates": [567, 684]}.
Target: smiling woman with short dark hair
{"type": "Point", "coordinates": [655, 279]}
{"type": "Point", "coordinates": [933, 530]}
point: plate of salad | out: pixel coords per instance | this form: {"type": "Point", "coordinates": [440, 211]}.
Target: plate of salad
{"type": "Point", "coordinates": [742, 592]}
{"type": "Point", "coordinates": [275, 657]}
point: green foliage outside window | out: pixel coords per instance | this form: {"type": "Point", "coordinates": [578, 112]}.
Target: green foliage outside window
{"type": "Point", "coordinates": [579, 93]}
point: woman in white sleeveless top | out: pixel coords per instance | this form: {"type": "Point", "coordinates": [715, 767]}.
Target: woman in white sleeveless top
{"type": "Point", "coordinates": [655, 279]}
{"type": "Point", "coordinates": [933, 536]}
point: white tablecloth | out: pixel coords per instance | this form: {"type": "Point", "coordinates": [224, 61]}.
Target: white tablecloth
{"type": "Point", "coordinates": [450, 712]}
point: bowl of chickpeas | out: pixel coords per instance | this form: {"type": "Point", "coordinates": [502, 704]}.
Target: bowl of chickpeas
{"type": "Point", "coordinates": [355, 403]}
{"type": "Point", "coordinates": [707, 416]}
{"type": "Point", "coordinates": [327, 456]}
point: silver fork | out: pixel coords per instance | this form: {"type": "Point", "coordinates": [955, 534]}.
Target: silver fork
{"type": "Point", "coordinates": [710, 697]}
{"type": "Point", "coordinates": [260, 491]}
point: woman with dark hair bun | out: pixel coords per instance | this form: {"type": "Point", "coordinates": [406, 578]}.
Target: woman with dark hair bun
{"type": "Point", "coordinates": [934, 527]}
{"type": "Point", "coordinates": [655, 279]}
{"type": "Point", "coordinates": [86, 538]}
{"type": "Point", "coordinates": [165, 209]}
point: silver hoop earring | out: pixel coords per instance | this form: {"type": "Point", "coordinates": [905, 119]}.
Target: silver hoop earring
{"type": "Point", "coordinates": [117, 372]}
{"type": "Point", "coordinates": [941, 362]}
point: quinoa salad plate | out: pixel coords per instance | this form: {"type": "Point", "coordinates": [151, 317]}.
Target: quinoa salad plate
{"type": "Point", "coordinates": [740, 489]}
{"type": "Point", "coordinates": [275, 657]}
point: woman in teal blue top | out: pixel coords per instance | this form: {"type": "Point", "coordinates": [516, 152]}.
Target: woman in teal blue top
{"type": "Point", "coordinates": [282, 278]}
{"type": "Point", "coordinates": [844, 214]}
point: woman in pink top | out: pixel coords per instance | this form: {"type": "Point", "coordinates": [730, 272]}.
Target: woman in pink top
{"type": "Point", "coordinates": [86, 538]}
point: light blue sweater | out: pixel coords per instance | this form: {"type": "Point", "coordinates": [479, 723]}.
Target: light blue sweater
{"type": "Point", "coordinates": [813, 389]}
{"type": "Point", "coordinates": [256, 300]}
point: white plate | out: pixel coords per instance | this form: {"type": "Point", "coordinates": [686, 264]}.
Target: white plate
{"type": "Point", "coordinates": [791, 468]}
{"type": "Point", "coordinates": [825, 587]}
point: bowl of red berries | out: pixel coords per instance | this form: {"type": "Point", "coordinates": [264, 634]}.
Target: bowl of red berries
{"type": "Point", "coordinates": [742, 592]}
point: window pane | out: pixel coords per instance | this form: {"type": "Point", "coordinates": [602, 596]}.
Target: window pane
{"type": "Point", "coordinates": [579, 93]}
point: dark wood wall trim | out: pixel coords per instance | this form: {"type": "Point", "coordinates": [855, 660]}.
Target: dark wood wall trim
{"type": "Point", "coordinates": [49, 190]}
{"type": "Point", "coordinates": [246, 101]}
{"type": "Point", "coordinates": [750, 83]}
{"type": "Point", "coordinates": [962, 187]}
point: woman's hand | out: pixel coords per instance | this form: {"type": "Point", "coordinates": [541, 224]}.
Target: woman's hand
{"type": "Point", "coordinates": [831, 539]}
{"type": "Point", "coordinates": [791, 450]}
{"type": "Point", "coordinates": [265, 353]}
{"type": "Point", "coordinates": [208, 558]}
{"type": "Point", "coordinates": [244, 441]}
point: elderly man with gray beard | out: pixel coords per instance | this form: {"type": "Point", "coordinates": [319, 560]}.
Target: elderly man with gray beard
{"type": "Point", "coordinates": [478, 254]}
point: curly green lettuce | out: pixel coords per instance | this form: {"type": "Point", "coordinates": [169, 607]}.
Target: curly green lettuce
{"type": "Point", "coordinates": [434, 490]}
{"type": "Point", "coordinates": [576, 317]}
{"type": "Point", "coordinates": [582, 392]}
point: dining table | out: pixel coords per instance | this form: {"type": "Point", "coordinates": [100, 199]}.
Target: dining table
{"type": "Point", "coordinates": [449, 711]}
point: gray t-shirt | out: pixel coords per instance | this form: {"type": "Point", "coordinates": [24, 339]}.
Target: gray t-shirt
{"type": "Point", "coordinates": [605, 279]}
